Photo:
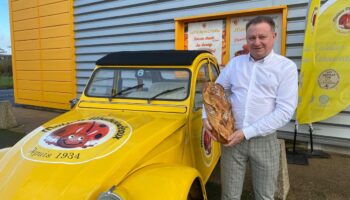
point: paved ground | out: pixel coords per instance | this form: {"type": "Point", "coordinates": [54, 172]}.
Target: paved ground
{"type": "Point", "coordinates": [29, 119]}
{"type": "Point", "coordinates": [322, 179]}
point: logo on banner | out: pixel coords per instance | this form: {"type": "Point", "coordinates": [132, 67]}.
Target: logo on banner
{"type": "Point", "coordinates": [328, 79]}
{"type": "Point", "coordinates": [77, 141]}
{"type": "Point", "coordinates": [314, 18]}
{"type": "Point", "coordinates": [323, 99]}
{"type": "Point", "coordinates": [342, 20]}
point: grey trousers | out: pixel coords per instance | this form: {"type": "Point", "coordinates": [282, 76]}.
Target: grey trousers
{"type": "Point", "coordinates": [263, 156]}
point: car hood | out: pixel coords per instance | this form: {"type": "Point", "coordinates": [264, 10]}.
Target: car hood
{"type": "Point", "coordinates": [82, 153]}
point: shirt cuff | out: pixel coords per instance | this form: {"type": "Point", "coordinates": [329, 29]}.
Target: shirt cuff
{"type": "Point", "coordinates": [248, 132]}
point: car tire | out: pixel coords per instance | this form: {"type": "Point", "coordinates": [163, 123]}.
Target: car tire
{"type": "Point", "coordinates": [196, 192]}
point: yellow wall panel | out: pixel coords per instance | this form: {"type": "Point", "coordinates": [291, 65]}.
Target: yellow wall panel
{"type": "Point", "coordinates": [28, 65]}
{"type": "Point", "coordinates": [26, 24]}
{"type": "Point", "coordinates": [25, 14]}
{"type": "Point", "coordinates": [29, 85]}
{"type": "Point", "coordinates": [29, 94]}
{"type": "Point", "coordinates": [28, 75]}
{"type": "Point", "coordinates": [23, 4]}
{"type": "Point", "coordinates": [52, 86]}
{"type": "Point", "coordinates": [57, 97]}
{"type": "Point", "coordinates": [44, 2]}
{"type": "Point", "coordinates": [52, 43]}
{"type": "Point", "coordinates": [56, 31]}
{"type": "Point", "coordinates": [54, 54]}
{"type": "Point", "coordinates": [57, 75]}
{"type": "Point", "coordinates": [57, 65]}
{"type": "Point", "coordinates": [54, 20]}
{"type": "Point", "coordinates": [26, 35]}
{"type": "Point", "coordinates": [55, 8]}
{"type": "Point", "coordinates": [43, 52]}
{"type": "Point", "coordinates": [28, 55]}
{"type": "Point", "coordinates": [27, 45]}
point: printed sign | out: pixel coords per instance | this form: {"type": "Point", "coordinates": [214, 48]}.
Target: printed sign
{"type": "Point", "coordinates": [207, 35]}
{"type": "Point", "coordinates": [77, 141]}
{"type": "Point", "coordinates": [238, 34]}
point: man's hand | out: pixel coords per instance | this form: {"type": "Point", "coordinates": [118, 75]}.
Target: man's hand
{"type": "Point", "coordinates": [207, 127]}
{"type": "Point", "coordinates": [235, 138]}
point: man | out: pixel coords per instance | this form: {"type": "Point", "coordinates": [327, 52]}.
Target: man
{"type": "Point", "coordinates": [264, 96]}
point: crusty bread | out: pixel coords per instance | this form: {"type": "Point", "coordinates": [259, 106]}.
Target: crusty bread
{"type": "Point", "coordinates": [218, 109]}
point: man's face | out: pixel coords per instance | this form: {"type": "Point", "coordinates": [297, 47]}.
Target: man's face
{"type": "Point", "coordinates": [260, 40]}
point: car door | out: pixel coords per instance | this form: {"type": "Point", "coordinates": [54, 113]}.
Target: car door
{"type": "Point", "coordinates": [206, 152]}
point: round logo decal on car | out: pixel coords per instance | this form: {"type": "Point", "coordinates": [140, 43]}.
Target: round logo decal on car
{"type": "Point", "coordinates": [206, 148]}
{"type": "Point", "coordinates": [85, 134]}
{"type": "Point", "coordinates": [77, 141]}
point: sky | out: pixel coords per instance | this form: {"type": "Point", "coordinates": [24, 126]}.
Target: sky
{"type": "Point", "coordinates": [5, 36]}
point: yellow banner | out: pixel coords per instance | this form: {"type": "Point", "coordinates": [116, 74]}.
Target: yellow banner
{"type": "Point", "coordinates": [324, 87]}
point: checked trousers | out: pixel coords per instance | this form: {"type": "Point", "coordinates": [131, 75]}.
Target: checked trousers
{"type": "Point", "coordinates": [263, 156]}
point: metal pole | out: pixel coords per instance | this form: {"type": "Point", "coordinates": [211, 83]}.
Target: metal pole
{"type": "Point", "coordinates": [311, 128]}
{"type": "Point", "coordinates": [295, 135]}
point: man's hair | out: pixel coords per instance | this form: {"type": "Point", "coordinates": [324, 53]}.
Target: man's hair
{"type": "Point", "coordinates": [261, 19]}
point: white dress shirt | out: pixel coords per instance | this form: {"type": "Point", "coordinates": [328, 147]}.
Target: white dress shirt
{"type": "Point", "coordinates": [264, 92]}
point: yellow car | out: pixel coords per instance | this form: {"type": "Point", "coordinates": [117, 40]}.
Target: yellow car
{"type": "Point", "coordinates": [135, 133]}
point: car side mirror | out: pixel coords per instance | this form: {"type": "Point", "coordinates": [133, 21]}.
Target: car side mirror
{"type": "Point", "coordinates": [73, 102]}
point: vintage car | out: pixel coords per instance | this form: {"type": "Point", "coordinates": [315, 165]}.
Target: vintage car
{"type": "Point", "coordinates": [135, 133]}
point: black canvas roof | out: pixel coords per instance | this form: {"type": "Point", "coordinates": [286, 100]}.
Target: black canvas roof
{"type": "Point", "coordinates": [147, 58]}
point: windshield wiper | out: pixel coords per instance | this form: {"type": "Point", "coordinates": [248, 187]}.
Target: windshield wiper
{"type": "Point", "coordinates": [113, 94]}
{"type": "Point", "coordinates": [163, 92]}
{"type": "Point", "coordinates": [128, 88]}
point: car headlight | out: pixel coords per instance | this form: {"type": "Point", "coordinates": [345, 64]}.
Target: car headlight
{"type": "Point", "coordinates": [109, 195]}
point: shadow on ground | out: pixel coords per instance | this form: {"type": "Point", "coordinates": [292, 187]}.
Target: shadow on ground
{"type": "Point", "coordinates": [9, 138]}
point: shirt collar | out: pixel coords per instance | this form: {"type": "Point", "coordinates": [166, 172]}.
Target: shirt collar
{"type": "Point", "coordinates": [263, 60]}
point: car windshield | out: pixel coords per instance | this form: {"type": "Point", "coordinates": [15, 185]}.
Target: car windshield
{"type": "Point", "coordinates": [141, 83]}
